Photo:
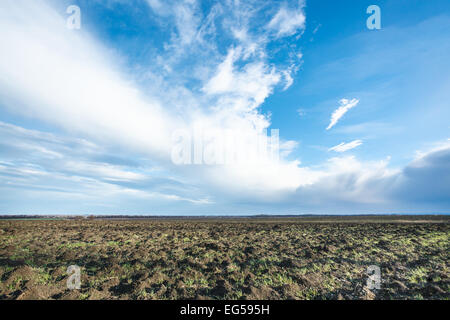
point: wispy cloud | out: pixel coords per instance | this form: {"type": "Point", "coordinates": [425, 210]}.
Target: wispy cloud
{"type": "Point", "coordinates": [251, 86]}
{"type": "Point", "coordinates": [287, 21]}
{"type": "Point", "coordinates": [342, 147]}
{"type": "Point", "coordinates": [339, 112]}
{"type": "Point", "coordinates": [34, 161]}
{"type": "Point", "coordinates": [301, 112]}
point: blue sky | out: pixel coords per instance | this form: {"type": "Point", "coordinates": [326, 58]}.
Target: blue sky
{"type": "Point", "coordinates": [89, 117]}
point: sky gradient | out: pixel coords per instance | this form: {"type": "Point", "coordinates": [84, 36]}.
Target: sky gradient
{"type": "Point", "coordinates": [89, 118]}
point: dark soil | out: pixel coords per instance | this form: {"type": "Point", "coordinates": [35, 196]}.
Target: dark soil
{"type": "Point", "coordinates": [224, 259]}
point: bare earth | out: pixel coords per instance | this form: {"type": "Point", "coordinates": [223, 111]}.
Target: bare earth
{"type": "Point", "coordinates": [279, 258]}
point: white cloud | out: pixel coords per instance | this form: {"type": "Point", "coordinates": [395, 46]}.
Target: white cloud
{"type": "Point", "coordinates": [342, 147]}
{"type": "Point", "coordinates": [287, 147]}
{"type": "Point", "coordinates": [287, 21]}
{"type": "Point", "coordinates": [71, 81]}
{"type": "Point", "coordinates": [339, 112]}
{"type": "Point", "coordinates": [317, 28]}
{"type": "Point", "coordinates": [66, 78]}
{"type": "Point", "coordinates": [104, 170]}
{"type": "Point", "coordinates": [251, 86]}
{"type": "Point", "coordinates": [288, 78]}
{"type": "Point", "coordinates": [157, 6]}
